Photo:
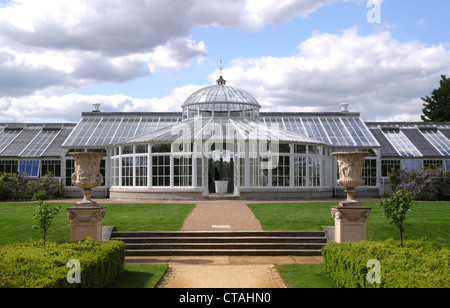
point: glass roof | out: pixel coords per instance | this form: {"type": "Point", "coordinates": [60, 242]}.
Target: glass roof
{"type": "Point", "coordinates": [7, 137]}
{"type": "Point", "coordinates": [102, 131]}
{"type": "Point", "coordinates": [221, 94]}
{"type": "Point", "coordinates": [221, 101]}
{"type": "Point", "coordinates": [40, 143]}
{"type": "Point", "coordinates": [218, 129]}
{"type": "Point", "coordinates": [339, 131]}
{"type": "Point", "coordinates": [439, 141]}
{"type": "Point", "coordinates": [401, 143]}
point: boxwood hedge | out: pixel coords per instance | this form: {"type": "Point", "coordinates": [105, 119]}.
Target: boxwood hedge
{"type": "Point", "coordinates": [420, 264]}
{"type": "Point", "coordinates": [29, 265]}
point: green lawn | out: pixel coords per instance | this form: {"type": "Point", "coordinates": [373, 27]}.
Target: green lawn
{"type": "Point", "coordinates": [16, 220]}
{"type": "Point", "coordinates": [140, 276]}
{"type": "Point", "coordinates": [426, 219]}
{"type": "Point", "coordinates": [305, 276]}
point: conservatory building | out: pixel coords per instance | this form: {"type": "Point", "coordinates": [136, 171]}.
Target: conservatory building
{"type": "Point", "coordinates": [220, 144]}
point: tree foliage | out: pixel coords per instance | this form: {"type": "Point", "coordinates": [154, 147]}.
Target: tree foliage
{"type": "Point", "coordinates": [395, 209]}
{"type": "Point", "coordinates": [43, 217]}
{"type": "Point", "coordinates": [437, 107]}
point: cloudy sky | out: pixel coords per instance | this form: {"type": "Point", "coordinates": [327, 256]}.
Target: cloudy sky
{"type": "Point", "coordinates": [58, 57]}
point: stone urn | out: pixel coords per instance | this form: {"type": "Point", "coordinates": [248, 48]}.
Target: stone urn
{"type": "Point", "coordinates": [86, 175]}
{"type": "Point", "coordinates": [350, 216]}
{"type": "Point", "coordinates": [350, 173]}
{"type": "Point", "coordinates": [86, 217]}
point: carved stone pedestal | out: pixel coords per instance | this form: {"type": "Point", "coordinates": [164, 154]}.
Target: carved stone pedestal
{"type": "Point", "coordinates": [350, 223]}
{"type": "Point", "coordinates": [86, 221]}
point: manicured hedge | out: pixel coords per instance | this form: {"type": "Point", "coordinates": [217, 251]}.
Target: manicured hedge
{"type": "Point", "coordinates": [420, 264]}
{"type": "Point", "coordinates": [29, 265]}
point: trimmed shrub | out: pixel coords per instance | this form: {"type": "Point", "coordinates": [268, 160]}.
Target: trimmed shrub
{"type": "Point", "coordinates": [17, 187]}
{"type": "Point", "coordinates": [419, 264]}
{"type": "Point", "coordinates": [28, 265]}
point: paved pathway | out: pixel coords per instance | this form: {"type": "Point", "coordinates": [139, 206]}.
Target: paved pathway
{"type": "Point", "coordinates": [220, 271]}
{"type": "Point", "coordinates": [221, 216]}
{"type": "Point", "coordinates": [224, 272]}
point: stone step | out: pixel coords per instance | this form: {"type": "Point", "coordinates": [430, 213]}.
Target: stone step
{"type": "Point", "coordinates": [135, 234]}
{"type": "Point", "coordinates": [256, 239]}
{"type": "Point", "coordinates": [222, 243]}
{"type": "Point", "coordinates": [223, 246]}
{"type": "Point", "coordinates": [226, 252]}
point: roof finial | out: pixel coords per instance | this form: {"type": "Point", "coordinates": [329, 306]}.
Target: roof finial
{"type": "Point", "coordinates": [221, 81]}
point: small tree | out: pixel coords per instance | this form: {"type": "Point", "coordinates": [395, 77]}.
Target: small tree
{"type": "Point", "coordinates": [43, 217]}
{"type": "Point", "coordinates": [396, 208]}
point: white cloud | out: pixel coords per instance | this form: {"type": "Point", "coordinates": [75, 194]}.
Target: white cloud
{"type": "Point", "coordinates": [55, 45]}
{"type": "Point", "coordinates": [376, 74]}
{"type": "Point", "coordinates": [68, 108]}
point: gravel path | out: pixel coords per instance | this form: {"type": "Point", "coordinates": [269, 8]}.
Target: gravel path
{"type": "Point", "coordinates": [223, 276]}
{"type": "Point", "coordinates": [221, 216]}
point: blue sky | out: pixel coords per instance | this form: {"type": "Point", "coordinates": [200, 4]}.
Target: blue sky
{"type": "Point", "coordinates": [58, 57]}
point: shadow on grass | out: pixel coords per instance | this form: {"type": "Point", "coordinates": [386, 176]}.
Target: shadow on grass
{"type": "Point", "coordinates": [139, 276]}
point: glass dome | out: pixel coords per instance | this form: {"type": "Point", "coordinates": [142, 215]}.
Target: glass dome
{"type": "Point", "coordinates": [221, 101]}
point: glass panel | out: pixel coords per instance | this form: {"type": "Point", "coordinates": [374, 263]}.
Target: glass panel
{"type": "Point", "coordinates": [258, 175]}
{"type": "Point", "coordinates": [439, 141]}
{"type": "Point", "coordinates": [300, 148]}
{"type": "Point", "coordinates": [284, 148]}
{"type": "Point", "coordinates": [161, 148]}
{"type": "Point", "coordinates": [359, 132]}
{"type": "Point", "coordinates": [29, 167]}
{"type": "Point", "coordinates": [39, 144]}
{"type": "Point", "coordinates": [53, 166]}
{"type": "Point", "coordinates": [104, 132]}
{"type": "Point", "coordinates": [141, 149]}
{"type": "Point", "coordinates": [315, 130]}
{"type": "Point", "coordinates": [126, 130]}
{"type": "Point", "coordinates": [199, 172]}
{"type": "Point", "coordinates": [127, 171]}
{"type": "Point", "coordinates": [314, 171]}
{"type": "Point", "coordinates": [70, 169]}
{"type": "Point", "coordinates": [182, 171]}
{"type": "Point", "coordinates": [432, 163]}
{"type": "Point", "coordinates": [337, 132]}
{"type": "Point", "coordinates": [9, 166]}
{"type": "Point", "coordinates": [83, 131]}
{"type": "Point", "coordinates": [161, 170]}
{"type": "Point", "coordinates": [313, 149]}
{"type": "Point", "coordinates": [281, 174]}
{"type": "Point", "coordinates": [8, 136]}
{"type": "Point", "coordinates": [402, 144]}
{"type": "Point", "coordinates": [115, 171]}
{"type": "Point", "coordinates": [370, 172]}
{"type": "Point", "coordinates": [127, 150]}
{"type": "Point", "coordinates": [411, 164]}
{"type": "Point", "coordinates": [300, 171]}
{"type": "Point", "coordinates": [141, 171]}
{"type": "Point", "coordinates": [388, 164]}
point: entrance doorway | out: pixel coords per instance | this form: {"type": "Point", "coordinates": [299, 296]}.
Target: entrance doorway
{"type": "Point", "coordinates": [220, 168]}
